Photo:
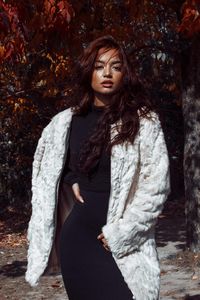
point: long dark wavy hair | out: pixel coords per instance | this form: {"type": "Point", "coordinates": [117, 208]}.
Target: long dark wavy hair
{"type": "Point", "coordinates": [124, 106]}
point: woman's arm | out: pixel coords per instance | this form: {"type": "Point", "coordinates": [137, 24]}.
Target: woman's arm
{"type": "Point", "coordinates": [39, 152]}
{"type": "Point", "coordinates": [131, 231]}
{"type": "Point", "coordinates": [70, 177]}
{"type": "Point", "coordinates": [36, 167]}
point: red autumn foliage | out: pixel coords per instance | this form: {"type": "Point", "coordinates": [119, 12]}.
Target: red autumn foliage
{"type": "Point", "coordinates": [12, 32]}
{"type": "Point", "coordinates": [21, 21]}
{"type": "Point", "coordinates": [44, 39]}
{"type": "Point", "coordinates": [58, 12]}
{"type": "Point", "coordinates": [18, 27]}
{"type": "Point", "coordinates": [190, 24]}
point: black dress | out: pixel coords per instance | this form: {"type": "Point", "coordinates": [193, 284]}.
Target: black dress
{"type": "Point", "coordinates": [88, 269]}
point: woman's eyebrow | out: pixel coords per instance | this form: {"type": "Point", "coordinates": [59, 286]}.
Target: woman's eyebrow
{"type": "Point", "coordinates": [116, 62]}
{"type": "Point", "coordinates": [113, 62]}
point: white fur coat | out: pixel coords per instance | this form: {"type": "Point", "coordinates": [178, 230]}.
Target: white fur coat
{"type": "Point", "coordinates": [139, 188]}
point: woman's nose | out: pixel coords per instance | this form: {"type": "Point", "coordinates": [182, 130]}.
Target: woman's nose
{"type": "Point", "coordinates": [107, 72]}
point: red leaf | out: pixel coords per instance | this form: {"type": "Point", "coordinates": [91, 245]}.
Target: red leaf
{"type": "Point", "coordinates": [190, 23]}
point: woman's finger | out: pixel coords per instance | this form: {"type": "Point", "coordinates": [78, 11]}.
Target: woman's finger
{"type": "Point", "coordinates": [76, 190]}
{"type": "Point", "coordinates": [106, 247]}
{"type": "Point", "coordinates": [104, 241]}
{"type": "Point", "coordinates": [100, 236]}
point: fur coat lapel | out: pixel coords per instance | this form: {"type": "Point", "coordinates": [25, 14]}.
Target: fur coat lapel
{"type": "Point", "coordinates": [124, 161]}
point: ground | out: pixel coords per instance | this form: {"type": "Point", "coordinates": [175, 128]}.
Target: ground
{"type": "Point", "coordinates": [180, 269]}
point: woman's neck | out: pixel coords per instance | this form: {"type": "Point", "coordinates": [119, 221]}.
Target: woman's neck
{"type": "Point", "coordinates": [101, 100]}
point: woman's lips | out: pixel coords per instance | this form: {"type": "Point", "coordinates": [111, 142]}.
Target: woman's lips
{"type": "Point", "coordinates": [107, 84]}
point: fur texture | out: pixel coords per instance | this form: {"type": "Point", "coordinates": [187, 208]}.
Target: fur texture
{"type": "Point", "coordinates": [139, 187]}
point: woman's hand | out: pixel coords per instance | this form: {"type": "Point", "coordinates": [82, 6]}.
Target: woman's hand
{"type": "Point", "coordinates": [104, 242]}
{"type": "Point", "coordinates": [76, 190]}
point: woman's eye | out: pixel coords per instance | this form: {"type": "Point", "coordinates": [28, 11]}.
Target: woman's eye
{"type": "Point", "coordinates": [117, 68]}
{"type": "Point", "coordinates": [98, 67]}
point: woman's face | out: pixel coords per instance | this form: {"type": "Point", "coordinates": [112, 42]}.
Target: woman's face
{"type": "Point", "coordinates": [107, 75]}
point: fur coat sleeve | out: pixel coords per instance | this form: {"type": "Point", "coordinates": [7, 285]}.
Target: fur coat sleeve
{"type": "Point", "coordinates": [128, 233]}
{"type": "Point", "coordinates": [37, 160]}
{"type": "Point", "coordinates": [46, 172]}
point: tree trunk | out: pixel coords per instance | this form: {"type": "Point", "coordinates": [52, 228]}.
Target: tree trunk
{"type": "Point", "coordinates": [191, 114]}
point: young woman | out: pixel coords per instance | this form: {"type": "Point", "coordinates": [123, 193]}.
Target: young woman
{"type": "Point", "coordinates": [100, 177]}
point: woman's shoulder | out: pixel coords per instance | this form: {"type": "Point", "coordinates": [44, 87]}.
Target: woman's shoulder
{"type": "Point", "coordinates": [149, 121]}
{"type": "Point", "coordinates": [59, 120]}
{"type": "Point", "coordinates": [146, 114]}
{"type": "Point", "coordinates": [62, 114]}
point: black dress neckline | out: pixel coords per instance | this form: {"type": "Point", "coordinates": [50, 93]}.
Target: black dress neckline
{"type": "Point", "coordinates": [97, 108]}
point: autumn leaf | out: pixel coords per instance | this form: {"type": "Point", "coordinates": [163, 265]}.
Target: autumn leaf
{"type": "Point", "coordinates": [58, 11]}
{"type": "Point", "coordinates": [190, 23]}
